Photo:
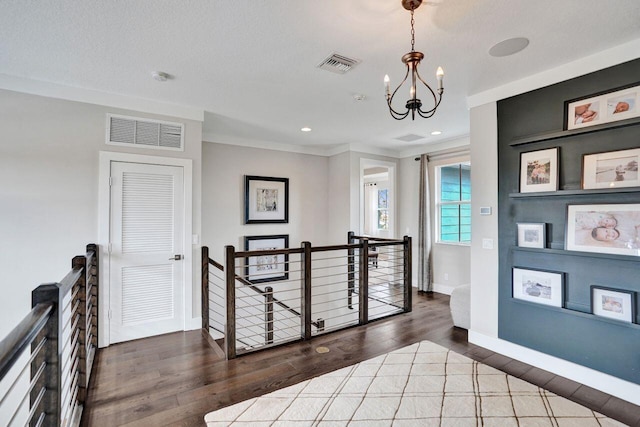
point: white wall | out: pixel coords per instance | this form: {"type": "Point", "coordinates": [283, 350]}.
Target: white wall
{"type": "Point", "coordinates": [339, 216]}
{"type": "Point", "coordinates": [49, 194]}
{"type": "Point", "coordinates": [223, 196]}
{"type": "Point", "coordinates": [484, 187]}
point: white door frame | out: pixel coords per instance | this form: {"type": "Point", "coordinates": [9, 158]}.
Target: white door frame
{"type": "Point", "coordinates": [392, 167]}
{"type": "Point", "coordinates": [104, 223]}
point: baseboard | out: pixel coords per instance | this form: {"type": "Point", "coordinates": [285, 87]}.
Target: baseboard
{"type": "Point", "coordinates": [443, 289]}
{"type": "Point", "coordinates": [193, 324]}
{"type": "Point", "coordinates": [606, 383]}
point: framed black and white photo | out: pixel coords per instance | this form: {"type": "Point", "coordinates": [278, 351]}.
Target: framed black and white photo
{"type": "Point", "coordinates": [609, 107]}
{"type": "Point", "coordinates": [539, 171]}
{"type": "Point", "coordinates": [270, 267]}
{"type": "Point", "coordinates": [266, 200]}
{"type": "Point", "coordinates": [613, 303]}
{"type": "Point", "coordinates": [531, 235]}
{"type": "Point", "coordinates": [613, 169]}
{"type": "Point", "coordinates": [610, 229]}
{"type": "Point", "coordinates": [538, 286]}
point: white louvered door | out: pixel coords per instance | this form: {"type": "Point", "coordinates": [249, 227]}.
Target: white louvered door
{"type": "Point", "coordinates": [146, 282]}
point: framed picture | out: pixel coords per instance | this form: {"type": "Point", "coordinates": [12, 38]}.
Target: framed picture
{"type": "Point", "coordinates": [613, 169]}
{"type": "Point", "coordinates": [539, 171]}
{"type": "Point", "coordinates": [266, 200]}
{"type": "Point", "coordinates": [618, 104]}
{"type": "Point", "coordinates": [531, 235]}
{"type": "Point", "coordinates": [266, 268]}
{"type": "Point", "coordinates": [613, 303]}
{"type": "Point", "coordinates": [611, 229]}
{"type": "Point", "coordinates": [541, 287]}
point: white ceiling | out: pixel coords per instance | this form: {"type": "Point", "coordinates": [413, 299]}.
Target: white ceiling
{"type": "Point", "coordinates": [251, 64]}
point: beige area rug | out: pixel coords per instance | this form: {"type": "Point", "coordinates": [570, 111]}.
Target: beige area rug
{"type": "Point", "coordinates": [421, 385]}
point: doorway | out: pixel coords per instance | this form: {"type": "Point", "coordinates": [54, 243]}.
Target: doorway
{"type": "Point", "coordinates": [377, 199]}
{"type": "Point", "coordinates": [147, 259]}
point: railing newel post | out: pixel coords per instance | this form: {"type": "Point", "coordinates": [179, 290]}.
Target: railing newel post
{"type": "Point", "coordinates": [350, 270]}
{"type": "Point", "coordinates": [268, 314]}
{"type": "Point", "coordinates": [50, 356]}
{"type": "Point", "coordinates": [80, 262]}
{"type": "Point", "coordinates": [363, 285]}
{"type": "Point", "coordinates": [408, 294]}
{"type": "Point", "coordinates": [204, 263]}
{"type": "Point", "coordinates": [230, 327]}
{"type": "Point", "coordinates": [306, 290]}
{"type": "Point", "coordinates": [94, 273]}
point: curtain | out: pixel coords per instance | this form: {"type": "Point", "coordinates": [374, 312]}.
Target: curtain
{"type": "Point", "coordinates": [424, 229]}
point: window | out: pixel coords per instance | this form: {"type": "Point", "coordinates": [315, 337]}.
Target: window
{"type": "Point", "coordinates": [453, 203]}
{"type": "Point", "coordinates": [383, 209]}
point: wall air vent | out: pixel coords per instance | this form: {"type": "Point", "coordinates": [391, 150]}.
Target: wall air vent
{"type": "Point", "coordinates": [134, 131]}
{"type": "Point", "coordinates": [338, 64]}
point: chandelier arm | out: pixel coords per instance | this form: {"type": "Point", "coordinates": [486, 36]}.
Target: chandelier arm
{"type": "Point", "coordinates": [431, 111]}
{"type": "Point", "coordinates": [436, 98]}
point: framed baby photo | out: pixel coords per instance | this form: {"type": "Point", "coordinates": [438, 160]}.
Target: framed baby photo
{"type": "Point", "coordinates": [538, 286]}
{"type": "Point", "coordinates": [270, 267]}
{"type": "Point", "coordinates": [614, 105]}
{"type": "Point", "coordinates": [531, 235]}
{"type": "Point", "coordinates": [613, 169]}
{"type": "Point", "coordinates": [266, 200]}
{"type": "Point", "coordinates": [613, 303]}
{"type": "Point", "coordinates": [539, 171]}
{"type": "Point", "coordinates": [609, 229]}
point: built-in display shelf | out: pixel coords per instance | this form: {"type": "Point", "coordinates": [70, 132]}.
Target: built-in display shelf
{"type": "Point", "coordinates": [582, 314]}
{"type": "Point", "coordinates": [577, 192]}
{"type": "Point", "coordinates": [568, 133]}
{"type": "Point", "coordinates": [564, 252]}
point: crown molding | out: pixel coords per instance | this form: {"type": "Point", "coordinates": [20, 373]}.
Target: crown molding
{"type": "Point", "coordinates": [436, 146]}
{"type": "Point", "coordinates": [89, 96]}
{"type": "Point", "coordinates": [328, 151]}
{"type": "Point", "coordinates": [588, 64]}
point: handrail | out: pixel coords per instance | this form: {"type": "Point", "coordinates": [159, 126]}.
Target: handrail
{"type": "Point", "coordinates": [373, 238]}
{"type": "Point", "coordinates": [21, 337]}
{"type": "Point", "coordinates": [245, 319]}
{"type": "Point", "coordinates": [60, 339]}
{"type": "Point", "coordinates": [257, 289]}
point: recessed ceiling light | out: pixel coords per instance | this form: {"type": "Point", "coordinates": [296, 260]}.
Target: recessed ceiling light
{"type": "Point", "coordinates": [306, 129]}
{"type": "Point", "coordinates": [509, 46]}
{"type": "Point", "coordinates": [359, 97]}
{"type": "Point", "coordinates": [160, 76]}
{"type": "Point", "coordinates": [436, 132]}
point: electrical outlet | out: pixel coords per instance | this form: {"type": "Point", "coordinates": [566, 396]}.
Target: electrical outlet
{"type": "Point", "coordinates": [446, 276]}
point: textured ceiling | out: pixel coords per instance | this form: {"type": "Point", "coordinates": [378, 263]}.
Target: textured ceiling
{"type": "Point", "coordinates": [251, 64]}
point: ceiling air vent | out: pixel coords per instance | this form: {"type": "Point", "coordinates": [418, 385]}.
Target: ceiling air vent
{"type": "Point", "coordinates": [409, 137]}
{"type": "Point", "coordinates": [123, 130]}
{"type": "Point", "coordinates": [338, 64]}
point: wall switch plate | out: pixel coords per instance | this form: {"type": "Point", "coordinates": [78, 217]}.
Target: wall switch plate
{"type": "Point", "coordinates": [195, 239]}
{"type": "Point", "coordinates": [487, 243]}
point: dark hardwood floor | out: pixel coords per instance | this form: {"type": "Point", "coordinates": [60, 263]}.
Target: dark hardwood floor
{"type": "Point", "coordinates": [176, 379]}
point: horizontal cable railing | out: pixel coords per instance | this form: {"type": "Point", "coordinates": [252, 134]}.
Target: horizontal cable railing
{"type": "Point", "coordinates": [262, 298]}
{"type": "Point", "coordinates": [47, 359]}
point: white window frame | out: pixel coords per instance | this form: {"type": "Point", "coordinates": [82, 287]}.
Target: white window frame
{"type": "Point", "coordinates": [439, 203]}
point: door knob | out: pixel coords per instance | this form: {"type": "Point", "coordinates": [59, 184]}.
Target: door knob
{"type": "Point", "coordinates": [176, 258]}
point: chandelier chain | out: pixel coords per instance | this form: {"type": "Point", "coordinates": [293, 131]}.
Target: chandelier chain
{"type": "Point", "coordinates": [413, 32]}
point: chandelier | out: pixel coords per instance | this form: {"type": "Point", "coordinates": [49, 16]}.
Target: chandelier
{"type": "Point", "coordinates": [412, 60]}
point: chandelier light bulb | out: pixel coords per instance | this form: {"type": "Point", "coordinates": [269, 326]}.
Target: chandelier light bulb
{"type": "Point", "coordinates": [439, 76]}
